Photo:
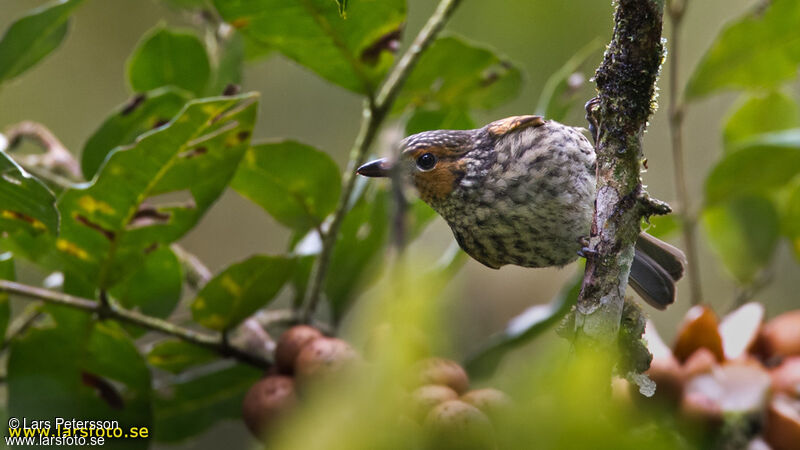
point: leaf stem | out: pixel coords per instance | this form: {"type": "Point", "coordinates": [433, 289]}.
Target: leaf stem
{"type": "Point", "coordinates": [214, 342]}
{"type": "Point", "coordinates": [374, 113]}
{"type": "Point", "coordinates": [676, 10]}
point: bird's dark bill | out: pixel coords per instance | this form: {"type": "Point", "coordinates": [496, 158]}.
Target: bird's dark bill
{"type": "Point", "coordinates": [377, 168]}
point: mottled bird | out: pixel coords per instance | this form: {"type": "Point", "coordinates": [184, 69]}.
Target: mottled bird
{"type": "Point", "coordinates": [521, 191]}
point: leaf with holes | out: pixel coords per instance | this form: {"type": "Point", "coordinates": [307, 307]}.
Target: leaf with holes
{"type": "Point", "coordinates": [175, 355]}
{"type": "Point", "coordinates": [169, 58]}
{"type": "Point", "coordinates": [759, 50]}
{"type": "Point", "coordinates": [240, 290]}
{"type": "Point", "coordinates": [744, 233]}
{"type": "Point", "coordinates": [187, 408]}
{"type": "Point", "coordinates": [297, 184]}
{"type": "Point", "coordinates": [361, 239]}
{"type": "Point", "coordinates": [764, 162]}
{"type": "Point", "coordinates": [454, 72]}
{"type": "Point", "coordinates": [25, 203]}
{"type": "Point", "coordinates": [100, 375]}
{"type": "Point", "coordinates": [757, 114]}
{"type": "Point", "coordinates": [32, 37]}
{"type": "Point", "coordinates": [354, 53]}
{"type": "Point", "coordinates": [143, 112]}
{"type": "Point", "coordinates": [154, 191]}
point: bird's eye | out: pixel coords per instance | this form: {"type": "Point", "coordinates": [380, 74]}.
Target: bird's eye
{"type": "Point", "coordinates": [426, 161]}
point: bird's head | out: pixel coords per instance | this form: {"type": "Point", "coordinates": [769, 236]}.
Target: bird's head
{"type": "Point", "coordinates": [436, 161]}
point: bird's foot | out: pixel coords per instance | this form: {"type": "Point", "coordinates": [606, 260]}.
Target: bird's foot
{"type": "Point", "coordinates": [586, 252]}
{"type": "Point", "coordinates": [592, 107]}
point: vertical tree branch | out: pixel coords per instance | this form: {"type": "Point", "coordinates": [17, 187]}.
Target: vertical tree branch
{"type": "Point", "coordinates": [626, 86]}
{"type": "Point", "coordinates": [676, 10]}
{"type": "Point", "coordinates": [375, 111]}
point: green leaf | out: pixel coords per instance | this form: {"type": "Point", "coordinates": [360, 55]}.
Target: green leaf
{"type": "Point", "coordinates": [83, 370]}
{"type": "Point", "coordinates": [791, 219]}
{"type": "Point", "coordinates": [6, 273]}
{"type": "Point", "coordinates": [456, 73]}
{"type": "Point", "coordinates": [744, 233]}
{"type": "Point", "coordinates": [764, 162]}
{"type": "Point", "coordinates": [175, 355]}
{"type": "Point", "coordinates": [295, 183]}
{"type": "Point", "coordinates": [757, 114]}
{"type": "Point", "coordinates": [439, 119]}
{"type": "Point", "coordinates": [361, 239]}
{"type": "Point", "coordinates": [523, 328]}
{"type": "Point", "coordinates": [559, 95]}
{"type": "Point", "coordinates": [142, 113]}
{"type": "Point", "coordinates": [188, 408]}
{"type": "Point", "coordinates": [110, 225]}
{"type": "Point", "coordinates": [240, 290]}
{"type": "Point", "coordinates": [32, 37]}
{"type": "Point", "coordinates": [760, 50]}
{"type": "Point", "coordinates": [353, 53]}
{"type": "Point", "coordinates": [229, 64]}
{"type": "Point", "coordinates": [343, 4]}
{"type": "Point", "coordinates": [25, 203]}
{"type": "Point", "coordinates": [154, 288]}
{"type": "Point", "coordinates": [169, 58]}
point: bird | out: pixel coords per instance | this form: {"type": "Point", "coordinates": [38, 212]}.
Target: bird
{"type": "Point", "coordinates": [521, 191]}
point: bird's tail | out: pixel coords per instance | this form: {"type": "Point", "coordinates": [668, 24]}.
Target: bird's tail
{"type": "Point", "coordinates": [656, 267]}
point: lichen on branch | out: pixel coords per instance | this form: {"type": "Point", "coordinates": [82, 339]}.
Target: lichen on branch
{"type": "Point", "coordinates": [626, 83]}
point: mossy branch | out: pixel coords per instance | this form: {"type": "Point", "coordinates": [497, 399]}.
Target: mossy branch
{"type": "Point", "coordinates": [626, 82]}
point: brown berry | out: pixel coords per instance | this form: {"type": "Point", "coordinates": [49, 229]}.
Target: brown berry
{"type": "Point", "coordinates": [289, 345]}
{"type": "Point", "coordinates": [266, 402]}
{"type": "Point", "coordinates": [698, 330]}
{"type": "Point", "coordinates": [782, 427]}
{"type": "Point", "coordinates": [323, 358]}
{"type": "Point", "coordinates": [458, 425]}
{"type": "Point", "coordinates": [786, 377]}
{"type": "Point", "coordinates": [491, 402]}
{"type": "Point", "coordinates": [780, 337]}
{"type": "Point", "coordinates": [425, 398]}
{"type": "Point", "coordinates": [443, 371]}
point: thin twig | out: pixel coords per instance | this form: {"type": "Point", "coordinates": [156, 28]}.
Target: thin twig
{"type": "Point", "coordinates": [56, 157]}
{"type": "Point", "coordinates": [22, 323]}
{"type": "Point", "coordinates": [374, 112]}
{"type": "Point", "coordinates": [676, 10]}
{"type": "Point", "coordinates": [214, 342]}
{"type": "Point", "coordinates": [195, 272]}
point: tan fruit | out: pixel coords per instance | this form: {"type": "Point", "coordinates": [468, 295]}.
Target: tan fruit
{"type": "Point", "coordinates": [445, 372]}
{"type": "Point", "coordinates": [702, 361]}
{"type": "Point", "coordinates": [290, 343]}
{"type": "Point", "coordinates": [739, 330]}
{"type": "Point", "coordinates": [699, 329]}
{"type": "Point", "coordinates": [267, 402]}
{"type": "Point", "coordinates": [425, 398]}
{"type": "Point", "coordinates": [782, 427]}
{"type": "Point", "coordinates": [492, 402]}
{"type": "Point", "coordinates": [786, 377]}
{"type": "Point", "coordinates": [780, 337]}
{"type": "Point", "coordinates": [458, 425]}
{"type": "Point", "coordinates": [323, 358]}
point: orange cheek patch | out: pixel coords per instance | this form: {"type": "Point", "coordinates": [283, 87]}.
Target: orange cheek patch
{"type": "Point", "coordinates": [438, 183]}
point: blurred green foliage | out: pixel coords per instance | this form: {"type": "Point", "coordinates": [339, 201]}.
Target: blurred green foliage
{"type": "Point", "coordinates": [159, 161]}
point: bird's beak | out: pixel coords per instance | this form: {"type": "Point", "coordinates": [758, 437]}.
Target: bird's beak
{"type": "Point", "coordinates": [378, 168]}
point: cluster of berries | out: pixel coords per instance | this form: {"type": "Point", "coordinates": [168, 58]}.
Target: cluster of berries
{"type": "Point", "coordinates": [440, 408]}
{"type": "Point", "coordinates": [739, 366]}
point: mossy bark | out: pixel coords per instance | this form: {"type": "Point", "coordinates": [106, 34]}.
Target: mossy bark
{"type": "Point", "coordinates": [626, 83]}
